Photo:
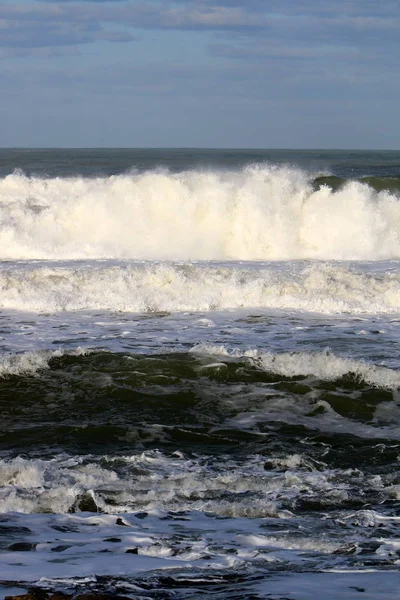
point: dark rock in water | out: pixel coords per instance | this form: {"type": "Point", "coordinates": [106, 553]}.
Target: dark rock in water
{"type": "Point", "coordinates": [8, 529]}
{"type": "Point", "coordinates": [84, 503]}
{"type": "Point", "coordinates": [65, 528]}
{"type": "Point", "coordinates": [348, 549]}
{"type": "Point", "coordinates": [119, 521]}
{"type": "Point", "coordinates": [132, 551]}
{"type": "Point", "coordinates": [61, 548]}
{"type": "Point", "coordinates": [22, 547]}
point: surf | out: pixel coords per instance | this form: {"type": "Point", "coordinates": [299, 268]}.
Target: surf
{"type": "Point", "coordinates": [151, 287]}
{"type": "Point", "coordinates": [259, 212]}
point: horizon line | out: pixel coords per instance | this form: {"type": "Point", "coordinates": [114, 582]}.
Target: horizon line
{"type": "Point", "coordinates": [221, 148]}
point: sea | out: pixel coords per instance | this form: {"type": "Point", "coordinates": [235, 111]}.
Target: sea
{"type": "Point", "coordinates": [199, 373]}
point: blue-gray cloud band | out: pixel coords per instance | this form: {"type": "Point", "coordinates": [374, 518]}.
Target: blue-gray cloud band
{"type": "Point", "coordinates": [246, 28]}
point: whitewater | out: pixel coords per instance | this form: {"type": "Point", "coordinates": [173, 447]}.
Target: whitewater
{"type": "Point", "coordinates": [258, 212]}
{"type": "Point", "coordinates": [200, 373]}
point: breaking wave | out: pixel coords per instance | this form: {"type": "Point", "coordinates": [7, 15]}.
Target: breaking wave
{"type": "Point", "coordinates": [153, 287]}
{"type": "Point", "coordinates": [261, 212]}
{"type": "Point", "coordinates": [200, 362]}
{"type": "Point", "coordinates": [321, 365]}
{"type": "Point", "coordinates": [191, 400]}
{"type": "Point", "coordinates": [30, 363]}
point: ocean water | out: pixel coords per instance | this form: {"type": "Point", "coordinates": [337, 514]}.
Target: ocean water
{"type": "Point", "coordinates": [199, 373]}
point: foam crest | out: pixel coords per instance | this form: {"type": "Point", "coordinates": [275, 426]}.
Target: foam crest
{"type": "Point", "coordinates": [137, 287]}
{"type": "Point", "coordinates": [321, 365]}
{"type": "Point", "coordinates": [257, 213]}
{"type": "Point", "coordinates": [29, 363]}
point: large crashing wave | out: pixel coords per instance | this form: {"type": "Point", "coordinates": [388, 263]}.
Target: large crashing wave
{"type": "Point", "coordinates": [257, 213]}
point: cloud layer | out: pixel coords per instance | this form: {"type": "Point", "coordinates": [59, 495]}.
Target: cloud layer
{"type": "Point", "coordinates": [75, 22]}
{"type": "Point", "coordinates": [271, 71]}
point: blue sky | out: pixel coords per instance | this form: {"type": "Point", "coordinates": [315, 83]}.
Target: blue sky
{"type": "Point", "coordinates": [203, 73]}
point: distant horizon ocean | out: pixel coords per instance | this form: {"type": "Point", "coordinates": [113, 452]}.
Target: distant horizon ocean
{"type": "Point", "coordinates": [200, 372]}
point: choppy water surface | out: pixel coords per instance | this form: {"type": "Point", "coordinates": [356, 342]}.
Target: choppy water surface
{"type": "Point", "coordinates": [199, 373]}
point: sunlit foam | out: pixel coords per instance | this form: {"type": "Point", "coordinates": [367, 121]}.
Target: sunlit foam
{"type": "Point", "coordinates": [257, 213]}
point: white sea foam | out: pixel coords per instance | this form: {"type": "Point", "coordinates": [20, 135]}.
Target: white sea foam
{"type": "Point", "coordinates": [29, 363]}
{"type": "Point", "coordinates": [257, 213]}
{"type": "Point", "coordinates": [166, 517]}
{"type": "Point", "coordinates": [322, 365]}
{"type": "Point", "coordinates": [154, 286]}
{"type": "Point", "coordinates": [198, 545]}
{"type": "Point", "coordinates": [174, 483]}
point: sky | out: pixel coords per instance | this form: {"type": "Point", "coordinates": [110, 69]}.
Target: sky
{"type": "Point", "coordinates": [200, 73]}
